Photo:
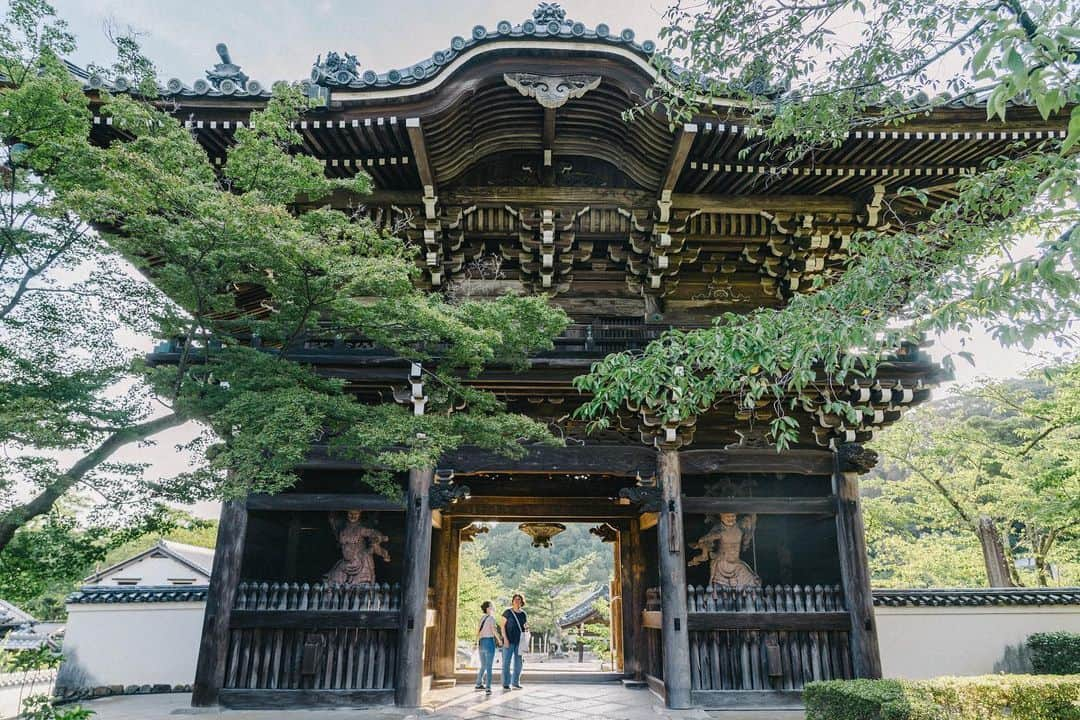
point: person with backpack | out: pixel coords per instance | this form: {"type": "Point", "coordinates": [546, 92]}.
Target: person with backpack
{"type": "Point", "coordinates": [488, 638]}
{"type": "Point", "coordinates": [515, 629]}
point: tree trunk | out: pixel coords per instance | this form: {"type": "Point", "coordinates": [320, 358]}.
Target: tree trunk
{"type": "Point", "coordinates": [44, 501]}
{"type": "Point", "coordinates": [997, 567]}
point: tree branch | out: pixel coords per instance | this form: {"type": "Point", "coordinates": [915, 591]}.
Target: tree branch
{"type": "Point", "coordinates": [42, 503]}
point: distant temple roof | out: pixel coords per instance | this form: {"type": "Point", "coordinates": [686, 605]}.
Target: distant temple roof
{"type": "Point", "coordinates": [585, 610]}
{"type": "Point", "coordinates": [964, 597]}
{"type": "Point", "coordinates": [13, 617]}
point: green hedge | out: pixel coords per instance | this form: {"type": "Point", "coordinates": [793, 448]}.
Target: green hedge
{"type": "Point", "coordinates": [1055, 653]}
{"type": "Point", "coordinates": [989, 697]}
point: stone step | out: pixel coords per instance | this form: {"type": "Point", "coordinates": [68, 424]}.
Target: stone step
{"type": "Point", "coordinates": [547, 676]}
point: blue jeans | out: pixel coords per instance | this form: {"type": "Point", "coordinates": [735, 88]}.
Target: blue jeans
{"type": "Point", "coordinates": [511, 651]}
{"type": "Point", "coordinates": [487, 658]}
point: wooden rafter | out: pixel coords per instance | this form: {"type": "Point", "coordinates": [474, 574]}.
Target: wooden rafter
{"type": "Point", "coordinates": [420, 155]}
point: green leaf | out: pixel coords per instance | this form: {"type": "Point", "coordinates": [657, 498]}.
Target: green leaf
{"type": "Point", "coordinates": [1074, 130]}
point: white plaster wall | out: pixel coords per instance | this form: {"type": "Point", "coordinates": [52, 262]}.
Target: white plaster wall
{"type": "Point", "coordinates": [932, 641]}
{"type": "Point", "coordinates": [155, 571]}
{"type": "Point", "coordinates": [131, 644]}
{"type": "Point", "coordinates": [16, 687]}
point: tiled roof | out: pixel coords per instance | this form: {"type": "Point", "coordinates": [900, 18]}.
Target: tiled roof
{"type": "Point", "coordinates": [963, 597]}
{"type": "Point", "coordinates": [30, 638]}
{"type": "Point", "coordinates": [584, 609]}
{"type": "Point", "coordinates": [11, 616]}
{"type": "Point", "coordinates": [104, 595]}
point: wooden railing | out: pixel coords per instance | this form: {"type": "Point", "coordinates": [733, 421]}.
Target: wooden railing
{"type": "Point", "coordinates": [317, 596]}
{"type": "Point", "coordinates": [768, 599]}
{"type": "Point", "coordinates": [772, 638]}
{"type": "Point", "coordinates": [313, 638]}
{"type": "Point", "coordinates": [769, 638]}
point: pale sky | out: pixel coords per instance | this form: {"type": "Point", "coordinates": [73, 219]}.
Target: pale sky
{"type": "Point", "coordinates": [279, 40]}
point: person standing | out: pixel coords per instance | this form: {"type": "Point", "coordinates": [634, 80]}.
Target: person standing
{"type": "Point", "coordinates": [514, 624]}
{"type": "Point", "coordinates": [487, 637]}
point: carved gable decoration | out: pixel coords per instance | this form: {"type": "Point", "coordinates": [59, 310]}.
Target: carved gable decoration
{"type": "Point", "coordinates": [552, 91]}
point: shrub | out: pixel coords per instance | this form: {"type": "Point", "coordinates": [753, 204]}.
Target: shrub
{"type": "Point", "coordinates": [1055, 653]}
{"type": "Point", "coordinates": [990, 697]}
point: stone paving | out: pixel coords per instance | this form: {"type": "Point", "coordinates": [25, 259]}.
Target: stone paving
{"type": "Point", "coordinates": [562, 701]}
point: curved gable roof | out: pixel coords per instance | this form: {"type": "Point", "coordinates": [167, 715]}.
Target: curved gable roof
{"type": "Point", "coordinates": [548, 29]}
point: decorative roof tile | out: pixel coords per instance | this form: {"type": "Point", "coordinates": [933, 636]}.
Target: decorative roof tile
{"type": "Point", "coordinates": [106, 595]}
{"type": "Point", "coordinates": [548, 21]}
{"type": "Point", "coordinates": [977, 597]}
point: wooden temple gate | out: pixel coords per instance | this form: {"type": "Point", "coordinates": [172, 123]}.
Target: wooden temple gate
{"type": "Point", "coordinates": [505, 161]}
{"type": "Point", "coordinates": [291, 643]}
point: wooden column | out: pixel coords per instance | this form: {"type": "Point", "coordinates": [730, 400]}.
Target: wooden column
{"type": "Point", "coordinates": [615, 610]}
{"type": "Point", "coordinates": [214, 644]}
{"type": "Point", "coordinates": [414, 583]}
{"type": "Point", "coordinates": [855, 572]}
{"type": "Point", "coordinates": [446, 589]}
{"type": "Point", "coordinates": [670, 543]}
{"type": "Point", "coordinates": [633, 594]}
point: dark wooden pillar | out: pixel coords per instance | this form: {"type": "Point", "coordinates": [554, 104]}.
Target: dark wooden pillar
{"type": "Point", "coordinates": [855, 571]}
{"type": "Point", "coordinates": [214, 644]}
{"type": "Point", "coordinates": [633, 599]}
{"type": "Point", "coordinates": [414, 584]}
{"type": "Point", "coordinates": [670, 543]}
{"type": "Point", "coordinates": [446, 589]}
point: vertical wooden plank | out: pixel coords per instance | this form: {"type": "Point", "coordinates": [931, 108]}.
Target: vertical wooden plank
{"type": "Point", "coordinates": [670, 543]}
{"type": "Point", "coordinates": [410, 657]}
{"type": "Point", "coordinates": [447, 547]}
{"type": "Point", "coordinates": [855, 572]}
{"type": "Point", "coordinates": [213, 646]}
{"type": "Point", "coordinates": [633, 594]}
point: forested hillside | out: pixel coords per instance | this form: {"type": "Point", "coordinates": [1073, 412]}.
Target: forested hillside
{"type": "Point", "coordinates": [981, 487]}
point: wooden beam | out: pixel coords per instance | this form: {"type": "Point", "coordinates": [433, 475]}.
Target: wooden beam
{"type": "Point", "coordinates": [616, 460]}
{"type": "Point", "coordinates": [420, 155]}
{"type": "Point", "coordinates": [680, 150]}
{"type": "Point", "coordinates": [761, 505]}
{"type": "Point", "coordinates": [777, 621]}
{"type": "Point", "coordinates": [670, 544]}
{"type": "Point", "coordinates": [758, 701]}
{"type": "Point", "coordinates": [500, 195]}
{"type": "Point", "coordinates": [324, 501]}
{"type": "Point", "coordinates": [572, 509]}
{"type": "Point", "coordinates": [549, 136]}
{"type": "Point", "coordinates": [855, 575]}
{"type": "Point", "coordinates": [414, 585]}
{"type": "Point", "coordinates": [285, 699]}
{"type": "Point", "coordinates": [214, 642]}
{"type": "Point", "coordinates": [292, 619]}
{"type": "Point", "coordinates": [649, 520]}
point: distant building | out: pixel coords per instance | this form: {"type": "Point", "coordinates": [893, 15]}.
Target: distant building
{"type": "Point", "coordinates": [166, 563]}
{"type": "Point", "coordinates": [19, 630]}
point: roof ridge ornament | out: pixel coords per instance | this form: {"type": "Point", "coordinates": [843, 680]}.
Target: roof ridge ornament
{"type": "Point", "coordinates": [226, 75]}
{"type": "Point", "coordinates": [547, 12]}
{"type": "Point", "coordinates": [339, 69]}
